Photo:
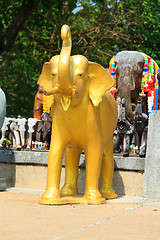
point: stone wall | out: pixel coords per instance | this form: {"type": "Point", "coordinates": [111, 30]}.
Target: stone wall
{"type": "Point", "coordinates": [132, 176]}
{"type": "Point", "coordinates": [28, 169]}
{"type": "Point", "coordinates": [152, 167]}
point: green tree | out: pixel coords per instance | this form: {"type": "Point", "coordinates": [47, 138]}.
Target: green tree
{"type": "Point", "coordinates": [30, 36]}
{"type": "Point", "coordinates": [104, 28]}
{"type": "Point", "coordinates": [22, 56]}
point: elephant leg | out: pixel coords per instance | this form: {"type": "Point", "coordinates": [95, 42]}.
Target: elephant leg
{"type": "Point", "coordinates": [143, 146]}
{"type": "Point", "coordinates": [107, 171]}
{"type": "Point", "coordinates": [126, 144]}
{"type": "Point", "coordinates": [55, 157]}
{"type": "Point", "coordinates": [17, 137]}
{"type": "Point", "coordinates": [2, 138]}
{"type": "Point", "coordinates": [29, 143]}
{"type": "Point", "coordinates": [22, 135]}
{"type": "Point", "coordinates": [137, 139]}
{"type": "Point", "coordinates": [116, 145]}
{"type": "Point", "coordinates": [13, 142]}
{"type": "Point", "coordinates": [38, 136]}
{"type": "Point", "coordinates": [93, 156]}
{"type": "Point", "coordinates": [72, 156]}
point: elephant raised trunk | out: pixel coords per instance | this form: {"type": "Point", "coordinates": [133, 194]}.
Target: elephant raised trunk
{"type": "Point", "coordinates": [129, 111]}
{"type": "Point", "coordinates": [126, 84]}
{"type": "Point", "coordinates": [64, 85]}
{"type": "Point", "coordinates": [64, 61]}
{"type": "Point", "coordinates": [125, 93]}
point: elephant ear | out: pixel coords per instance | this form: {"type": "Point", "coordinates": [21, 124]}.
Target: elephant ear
{"type": "Point", "coordinates": [100, 82]}
{"type": "Point", "coordinates": [45, 81]}
{"type": "Point", "coordinates": [39, 126]}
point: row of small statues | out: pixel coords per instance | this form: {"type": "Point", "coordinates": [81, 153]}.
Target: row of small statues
{"type": "Point", "coordinates": [21, 133]}
{"type": "Point", "coordinates": [131, 137]}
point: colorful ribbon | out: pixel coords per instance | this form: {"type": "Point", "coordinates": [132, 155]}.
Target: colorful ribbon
{"type": "Point", "coordinates": [149, 83]}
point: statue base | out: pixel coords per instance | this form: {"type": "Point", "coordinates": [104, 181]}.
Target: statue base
{"type": "Point", "coordinates": [78, 199]}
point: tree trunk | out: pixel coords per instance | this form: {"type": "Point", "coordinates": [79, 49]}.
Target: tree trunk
{"type": "Point", "coordinates": [17, 23]}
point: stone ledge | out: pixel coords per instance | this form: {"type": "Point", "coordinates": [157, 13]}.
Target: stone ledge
{"type": "Point", "coordinates": [133, 163]}
{"type": "Point", "coordinates": [2, 184]}
{"type": "Point", "coordinates": [34, 157]}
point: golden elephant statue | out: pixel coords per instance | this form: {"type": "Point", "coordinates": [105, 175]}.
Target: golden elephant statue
{"type": "Point", "coordinates": [84, 116]}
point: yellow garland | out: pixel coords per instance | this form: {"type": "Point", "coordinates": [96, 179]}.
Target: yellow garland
{"type": "Point", "coordinates": [45, 108]}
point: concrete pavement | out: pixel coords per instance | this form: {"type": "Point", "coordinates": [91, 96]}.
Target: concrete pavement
{"type": "Point", "coordinates": [125, 218]}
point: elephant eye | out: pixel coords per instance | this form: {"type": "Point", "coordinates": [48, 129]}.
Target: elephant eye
{"type": "Point", "coordinates": [53, 74]}
{"type": "Point", "coordinates": [117, 70]}
{"type": "Point", "coordinates": [135, 69]}
{"type": "Point", "coordinates": [79, 74]}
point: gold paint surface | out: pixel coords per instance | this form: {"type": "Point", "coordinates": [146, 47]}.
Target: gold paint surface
{"type": "Point", "coordinates": [84, 117]}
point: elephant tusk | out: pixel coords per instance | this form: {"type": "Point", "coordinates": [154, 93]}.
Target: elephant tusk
{"type": "Point", "coordinates": [51, 91]}
{"type": "Point", "coordinates": [74, 92]}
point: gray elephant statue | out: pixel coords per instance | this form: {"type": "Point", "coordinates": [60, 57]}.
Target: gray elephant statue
{"type": "Point", "coordinates": [18, 128]}
{"type": "Point", "coordinates": [123, 133]}
{"type": "Point", "coordinates": [130, 70]}
{"type": "Point", "coordinates": [5, 131]}
{"type": "Point", "coordinates": [31, 124]}
{"type": "Point", "coordinates": [47, 125]}
{"type": "Point", "coordinates": [2, 107]}
{"type": "Point", "coordinates": [35, 131]}
{"type": "Point", "coordinates": [39, 130]}
{"type": "Point", "coordinates": [22, 127]}
{"type": "Point", "coordinates": [141, 129]}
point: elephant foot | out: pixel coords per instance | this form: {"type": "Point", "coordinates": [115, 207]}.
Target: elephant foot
{"type": "Point", "coordinates": [116, 150]}
{"type": "Point", "coordinates": [68, 190]}
{"type": "Point", "coordinates": [108, 192]}
{"type": "Point", "coordinates": [51, 197]}
{"type": "Point", "coordinates": [126, 154]}
{"type": "Point", "coordinates": [18, 148]}
{"type": "Point", "coordinates": [92, 197]}
{"type": "Point", "coordinates": [142, 152]}
{"type": "Point", "coordinates": [28, 147]}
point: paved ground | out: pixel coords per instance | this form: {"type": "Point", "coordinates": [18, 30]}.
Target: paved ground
{"type": "Point", "coordinates": [126, 218]}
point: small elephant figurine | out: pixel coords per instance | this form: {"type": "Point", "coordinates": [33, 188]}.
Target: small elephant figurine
{"type": "Point", "coordinates": [22, 128]}
{"type": "Point", "coordinates": [46, 127]}
{"type": "Point", "coordinates": [35, 131]}
{"type": "Point", "coordinates": [141, 129]}
{"type": "Point", "coordinates": [31, 127]}
{"type": "Point", "coordinates": [124, 131]}
{"type": "Point", "coordinates": [84, 117]}
{"type": "Point", "coordinates": [5, 130]}
{"type": "Point", "coordinates": [2, 107]}
{"type": "Point", "coordinates": [18, 127]}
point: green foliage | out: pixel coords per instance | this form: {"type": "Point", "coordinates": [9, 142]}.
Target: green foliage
{"type": "Point", "coordinates": [21, 61]}
{"type": "Point", "coordinates": [107, 27]}
{"type": "Point", "coordinates": [99, 28]}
